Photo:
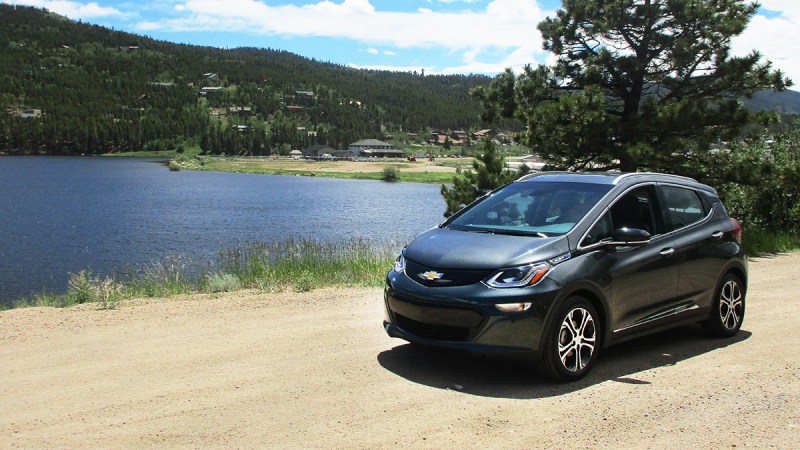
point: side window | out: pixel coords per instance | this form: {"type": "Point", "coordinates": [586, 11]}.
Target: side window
{"type": "Point", "coordinates": [684, 207]}
{"type": "Point", "coordinates": [601, 230]}
{"type": "Point", "coordinates": [635, 210]}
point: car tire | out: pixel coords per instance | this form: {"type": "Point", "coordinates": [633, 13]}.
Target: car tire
{"type": "Point", "coordinates": [727, 311]}
{"type": "Point", "coordinates": [572, 341]}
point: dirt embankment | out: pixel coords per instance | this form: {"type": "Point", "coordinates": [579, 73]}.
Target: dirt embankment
{"type": "Point", "coordinates": [316, 370]}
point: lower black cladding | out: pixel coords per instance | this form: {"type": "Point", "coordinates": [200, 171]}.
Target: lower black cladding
{"type": "Point", "coordinates": [429, 331]}
{"type": "Point", "coordinates": [438, 322]}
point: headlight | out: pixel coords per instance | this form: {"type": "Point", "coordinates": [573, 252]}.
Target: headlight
{"type": "Point", "coordinates": [400, 264]}
{"type": "Point", "coordinates": [518, 276]}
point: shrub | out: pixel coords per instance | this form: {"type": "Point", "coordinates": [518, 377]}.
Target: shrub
{"type": "Point", "coordinates": [304, 283]}
{"type": "Point", "coordinates": [85, 288]}
{"type": "Point", "coordinates": [762, 185]}
{"type": "Point", "coordinates": [80, 287]}
{"type": "Point", "coordinates": [223, 282]}
{"type": "Point", "coordinates": [390, 173]}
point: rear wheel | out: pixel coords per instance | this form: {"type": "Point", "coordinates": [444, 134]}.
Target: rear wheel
{"type": "Point", "coordinates": [572, 342]}
{"type": "Point", "coordinates": [727, 312]}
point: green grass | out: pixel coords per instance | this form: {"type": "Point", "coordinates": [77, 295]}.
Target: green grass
{"type": "Point", "coordinates": [411, 177]}
{"type": "Point", "coordinates": [759, 242]}
{"type": "Point", "coordinates": [300, 265]}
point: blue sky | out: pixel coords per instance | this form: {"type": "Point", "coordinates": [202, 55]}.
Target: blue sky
{"type": "Point", "coordinates": [439, 36]}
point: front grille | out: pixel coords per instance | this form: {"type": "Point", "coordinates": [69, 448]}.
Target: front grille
{"type": "Point", "coordinates": [440, 322]}
{"type": "Point", "coordinates": [449, 277]}
{"type": "Point", "coordinates": [429, 331]}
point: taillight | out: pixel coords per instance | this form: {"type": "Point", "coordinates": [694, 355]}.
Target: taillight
{"type": "Point", "coordinates": [737, 230]}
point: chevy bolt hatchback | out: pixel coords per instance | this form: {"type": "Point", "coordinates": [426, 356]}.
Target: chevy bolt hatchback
{"type": "Point", "coordinates": [560, 265]}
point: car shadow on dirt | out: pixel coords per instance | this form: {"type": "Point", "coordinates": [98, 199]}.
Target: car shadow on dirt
{"type": "Point", "coordinates": [516, 377]}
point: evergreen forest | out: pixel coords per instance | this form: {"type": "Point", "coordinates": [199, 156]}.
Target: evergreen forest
{"type": "Point", "coordinates": [70, 88]}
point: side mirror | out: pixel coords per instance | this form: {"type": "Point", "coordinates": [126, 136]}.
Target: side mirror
{"type": "Point", "coordinates": [630, 236]}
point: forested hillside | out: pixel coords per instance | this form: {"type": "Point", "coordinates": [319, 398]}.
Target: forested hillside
{"type": "Point", "coordinates": [73, 88]}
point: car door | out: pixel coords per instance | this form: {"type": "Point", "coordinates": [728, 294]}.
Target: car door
{"type": "Point", "coordinates": [643, 278]}
{"type": "Point", "coordinates": [697, 236]}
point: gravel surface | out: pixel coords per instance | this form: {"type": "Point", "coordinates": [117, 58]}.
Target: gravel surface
{"type": "Point", "coordinates": [311, 370]}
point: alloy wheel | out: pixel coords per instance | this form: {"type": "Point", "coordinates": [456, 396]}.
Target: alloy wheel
{"type": "Point", "coordinates": [576, 339]}
{"type": "Point", "coordinates": [731, 304]}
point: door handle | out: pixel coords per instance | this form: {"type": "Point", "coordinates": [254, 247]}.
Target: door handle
{"type": "Point", "coordinates": [717, 235]}
{"type": "Point", "coordinates": [667, 252]}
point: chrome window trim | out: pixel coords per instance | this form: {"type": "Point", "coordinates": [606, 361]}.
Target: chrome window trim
{"type": "Point", "coordinates": [707, 217]}
{"type": "Point", "coordinates": [605, 210]}
{"type": "Point", "coordinates": [700, 221]}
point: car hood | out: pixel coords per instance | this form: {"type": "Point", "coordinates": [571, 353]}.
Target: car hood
{"type": "Point", "coordinates": [450, 249]}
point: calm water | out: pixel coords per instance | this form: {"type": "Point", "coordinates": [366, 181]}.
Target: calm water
{"type": "Point", "coordinates": [63, 215]}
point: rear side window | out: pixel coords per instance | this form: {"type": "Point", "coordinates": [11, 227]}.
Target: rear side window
{"type": "Point", "coordinates": [684, 207]}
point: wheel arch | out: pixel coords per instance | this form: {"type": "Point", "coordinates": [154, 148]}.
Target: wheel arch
{"type": "Point", "coordinates": [599, 306]}
{"type": "Point", "coordinates": [739, 272]}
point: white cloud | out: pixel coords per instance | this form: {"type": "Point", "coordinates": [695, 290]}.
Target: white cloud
{"type": "Point", "coordinates": [73, 10]}
{"type": "Point", "coordinates": [773, 37]}
{"type": "Point", "coordinates": [503, 24]}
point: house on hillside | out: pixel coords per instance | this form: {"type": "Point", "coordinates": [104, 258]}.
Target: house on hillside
{"type": "Point", "coordinates": [240, 110]}
{"type": "Point", "coordinates": [373, 148]}
{"type": "Point", "coordinates": [482, 134]}
{"type": "Point", "coordinates": [205, 90]}
{"type": "Point", "coordinates": [31, 114]}
{"type": "Point", "coordinates": [459, 136]}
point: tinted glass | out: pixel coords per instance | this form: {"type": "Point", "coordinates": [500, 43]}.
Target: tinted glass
{"type": "Point", "coordinates": [600, 231]}
{"type": "Point", "coordinates": [684, 207]}
{"type": "Point", "coordinates": [635, 210]}
{"type": "Point", "coordinates": [543, 209]}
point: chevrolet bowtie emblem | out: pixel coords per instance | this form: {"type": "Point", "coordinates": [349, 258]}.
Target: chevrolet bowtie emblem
{"type": "Point", "coordinates": [431, 275]}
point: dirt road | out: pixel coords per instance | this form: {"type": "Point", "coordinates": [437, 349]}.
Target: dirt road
{"type": "Point", "coordinates": [316, 370]}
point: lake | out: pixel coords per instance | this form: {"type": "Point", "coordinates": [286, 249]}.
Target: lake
{"type": "Point", "coordinates": [60, 215]}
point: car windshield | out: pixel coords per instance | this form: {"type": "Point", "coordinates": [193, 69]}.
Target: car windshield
{"type": "Point", "coordinates": [531, 209]}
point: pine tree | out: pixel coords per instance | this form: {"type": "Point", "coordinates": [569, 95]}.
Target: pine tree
{"type": "Point", "coordinates": [489, 172]}
{"type": "Point", "coordinates": [638, 84]}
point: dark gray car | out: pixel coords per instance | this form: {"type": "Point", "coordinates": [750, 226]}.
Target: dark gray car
{"type": "Point", "coordinates": [560, 265]}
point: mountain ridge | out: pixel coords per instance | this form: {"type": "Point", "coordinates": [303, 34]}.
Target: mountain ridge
{"type": "Point", "coordinates": [73, 88]}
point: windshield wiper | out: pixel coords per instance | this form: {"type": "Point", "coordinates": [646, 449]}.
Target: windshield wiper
{"type": "Point", "coordinates": [510, 232]}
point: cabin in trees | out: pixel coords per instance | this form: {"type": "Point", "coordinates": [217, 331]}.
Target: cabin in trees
{"type": "Point", "coordinates": [483, 134]}
{"type": "Point", "coordinates": [373, 148]}
{"type": "Point", "coordinates": [31, 114]}
{"type": "Point", "coordinates": [240, 110]}
{"type": "Point", "coordinates": [442, 138]}
{"type": "Point", "coordinates": [206, 90]}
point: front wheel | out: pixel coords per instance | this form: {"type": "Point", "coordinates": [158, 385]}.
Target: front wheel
{"type": "Point", "coordinates": [572, 343]}
{"type": "Point", "coordinates": [727, 312]}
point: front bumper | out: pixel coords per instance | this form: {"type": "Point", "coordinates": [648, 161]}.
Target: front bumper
{"type": "Point", "coordinates": [465, 317]}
